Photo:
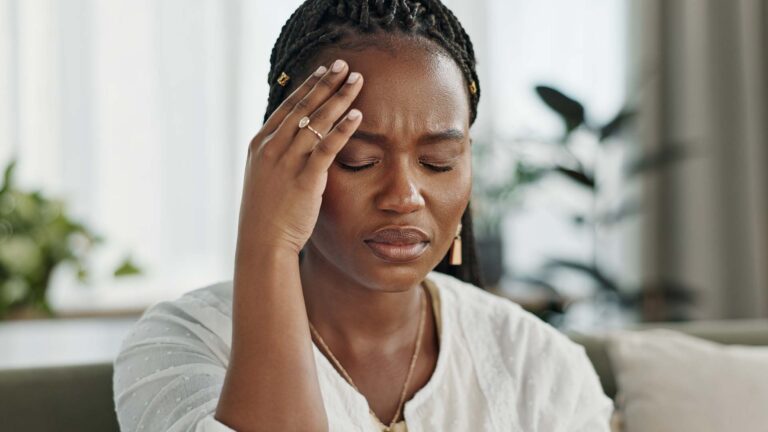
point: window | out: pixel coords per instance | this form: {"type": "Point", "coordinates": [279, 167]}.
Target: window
{"type": "Point", "coordinates": [139, 115]}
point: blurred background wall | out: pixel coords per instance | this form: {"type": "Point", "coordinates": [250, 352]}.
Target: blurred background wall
{"type": "Point", "coordinates": [705, 65]}
{"type": "Point", "coordinates": [138, 113]}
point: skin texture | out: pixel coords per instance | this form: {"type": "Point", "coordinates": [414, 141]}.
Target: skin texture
{"type": "Point", "coordinates": [297, 195]}
{"type": "Point", "coordinates": [367, 309]}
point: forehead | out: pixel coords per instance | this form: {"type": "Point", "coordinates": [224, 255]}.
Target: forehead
{"type": "Point", "coordinates": [409, 86]}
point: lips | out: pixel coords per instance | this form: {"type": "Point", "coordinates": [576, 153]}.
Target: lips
{"type": "Point", "coordinates": [398, 244]}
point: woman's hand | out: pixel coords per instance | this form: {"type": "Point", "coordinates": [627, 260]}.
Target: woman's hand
{"type": "Point", "coordinates": [271, 381]}
{"type": "Point", "coordinates": [287, 166]}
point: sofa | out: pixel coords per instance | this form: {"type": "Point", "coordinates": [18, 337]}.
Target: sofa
{"type": "Point", "coordinates": [79, 398]}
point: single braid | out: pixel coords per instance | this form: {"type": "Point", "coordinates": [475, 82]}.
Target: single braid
{"type": "Point", "coordinates": [392, 15]}
{"type": "Point", "coordinates": [380, 7]}
{"type": "Point", "coordinates": [319, 23]}
{"type": "Point", "coordinates": [365, 18]}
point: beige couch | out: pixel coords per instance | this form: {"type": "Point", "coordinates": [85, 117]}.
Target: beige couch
{"type": "Point", "coordinates": [79, 398]}
{"type": "Point", "coordinates": [725, 332]}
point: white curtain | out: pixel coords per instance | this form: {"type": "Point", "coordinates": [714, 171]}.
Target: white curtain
{"type": "Point", "coordinates": [705, 65]}
{"type": "Point", "coordinates": [138, 113]}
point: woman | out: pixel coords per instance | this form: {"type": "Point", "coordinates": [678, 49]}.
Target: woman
{"type": "Point", "coordinates": [356, 188]}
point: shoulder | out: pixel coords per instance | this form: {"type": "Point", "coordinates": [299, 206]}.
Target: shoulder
{"type": "Point", "coordinates": [214, 299]}
{"type": "Point", "coordinates": [538, 365]}
{"type": "Point", "coordinates": [178, 350]}
{"type": "Point", "coordinates": [501, 314]}
{"type": "Point", "coordinates": [201, 315]}
{"type": "Point", "coordinates": [490, 311]}
{"type": "Point", "coordinates": [522, 341]}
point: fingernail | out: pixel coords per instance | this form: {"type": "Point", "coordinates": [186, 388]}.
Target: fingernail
{"type": "Point", "coordinates": [354, 76]}
{"type": "Point", "coordinates": [353, 114]}
{"type": "Point", "coordinates": [338, 65]}
{"type": "Point", "coordinates": [320, 71]}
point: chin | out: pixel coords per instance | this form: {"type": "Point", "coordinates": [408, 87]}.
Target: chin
{"type": "Point", "coordinates": [382, 275]}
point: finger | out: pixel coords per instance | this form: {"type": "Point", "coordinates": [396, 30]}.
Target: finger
{"type": "Point", "coordinates": [323, 119]}
{"type": "Point", "coordinates": [326, 150]}
{"type": "Point", "coordinates": [290, 102]}
{"type": "Point", "coordinates": [326, 86]}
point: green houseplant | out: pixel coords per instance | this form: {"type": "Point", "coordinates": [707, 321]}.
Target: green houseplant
{"type": "Point", "coordinates": [584, 172]}
{"type": "Point", "coordinates": [36, 235]}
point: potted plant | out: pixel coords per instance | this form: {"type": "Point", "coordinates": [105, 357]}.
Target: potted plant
{"type": "Point", "coordinates": [585, 173]}
{"type": "Point", "coordinates": [36, 235]}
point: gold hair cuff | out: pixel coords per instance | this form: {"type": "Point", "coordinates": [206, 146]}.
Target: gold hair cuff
{"type": "Point", "coordinates": [283, 79]}
{"type": "Point", "coordinates": [473, 88]}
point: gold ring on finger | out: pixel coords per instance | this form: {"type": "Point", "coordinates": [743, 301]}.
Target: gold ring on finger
{"type": "Point", "coordinates": [304, 123]}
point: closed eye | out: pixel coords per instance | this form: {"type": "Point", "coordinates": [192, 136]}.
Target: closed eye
{"type": "Point", "coordinates": [355, 168]}
{"type": "Point", "coordinates": [438, 168]}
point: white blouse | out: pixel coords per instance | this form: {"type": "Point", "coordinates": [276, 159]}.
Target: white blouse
{"type": "Point", "coordinates": [499, 368]}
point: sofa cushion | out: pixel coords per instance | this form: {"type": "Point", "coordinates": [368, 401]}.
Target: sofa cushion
{"type": "Point", "coordinates": [669, 381]}
{"type": "Point", "coordinates": [741, 332]}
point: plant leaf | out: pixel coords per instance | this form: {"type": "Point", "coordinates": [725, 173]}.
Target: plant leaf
{"type": "Point", "coordinates": [579, 219]}
{"type": "Point", "coordinates": [8, 177]}
{"type": "Point", "coordinates": [617, 124]}
{"type": "Point", "coordinates": [579, 177]}
{"type": "Point", "coordinates": [598, 276]}
{"type": "Point", "coordinates": [666, 155]}
{"type": "Point", "coordinates": [540, 282]}
{"type": "Point", "coordinates": [127, 268]}
{"type": "Point", "coordinates": [627, 209]}
{"type": "Point", "coordinates": [571, 111]}
{"type": "Point", "coordinates": [672, 292]}
{"type": "Point", "coordinates": [527, 174]}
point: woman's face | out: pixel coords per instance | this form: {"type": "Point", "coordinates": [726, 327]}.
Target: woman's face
{"type": "Point", "coordinates": [408, 165]}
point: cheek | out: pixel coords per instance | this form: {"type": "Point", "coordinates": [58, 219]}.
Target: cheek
{"type": "Point", "coordinates": [451, 191]}
{"type": "Point", "coordinates": [343, 199]}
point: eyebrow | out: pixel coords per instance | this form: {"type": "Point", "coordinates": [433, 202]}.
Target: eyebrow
{"type": "Point", "coordinates": [428, 138]}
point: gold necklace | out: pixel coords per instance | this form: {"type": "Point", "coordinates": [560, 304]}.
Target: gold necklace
{"type": "Point", "coordinates": [411, 367]}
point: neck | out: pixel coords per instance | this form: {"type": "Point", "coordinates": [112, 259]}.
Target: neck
{"type": "Point", "coordinates": [350, 314]}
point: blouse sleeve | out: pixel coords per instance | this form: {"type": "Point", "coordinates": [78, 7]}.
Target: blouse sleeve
{"type": "Point", "coordinates": [171, 368]}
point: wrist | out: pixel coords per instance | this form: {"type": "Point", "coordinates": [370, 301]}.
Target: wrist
{"type": "Point", "coordinates": [265, 255]}
{"type": "Point", "coordinates": [267, 248]}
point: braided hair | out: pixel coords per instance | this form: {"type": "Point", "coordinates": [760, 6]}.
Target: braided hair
{"type": "Point", "coordinates": [341, 23]}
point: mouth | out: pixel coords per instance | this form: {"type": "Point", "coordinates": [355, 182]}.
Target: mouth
{"type": "Point", "coordinates": [398, 244]}
{"type": "Point", "coordinates": [398, 253]}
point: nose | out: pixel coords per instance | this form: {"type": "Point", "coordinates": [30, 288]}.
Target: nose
{"type": "Point", "coordinates": [401, 192]}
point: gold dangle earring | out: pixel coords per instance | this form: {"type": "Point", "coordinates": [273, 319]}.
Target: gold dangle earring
{"type": "Point", "coordinates": [456, 248]}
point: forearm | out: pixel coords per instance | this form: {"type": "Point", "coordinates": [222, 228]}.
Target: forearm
{"type": "Point", "coordinates": [271, 382]}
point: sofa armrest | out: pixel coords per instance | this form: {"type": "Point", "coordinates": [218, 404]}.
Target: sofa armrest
{"type": "Point", "coordinates": [68, 398]}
